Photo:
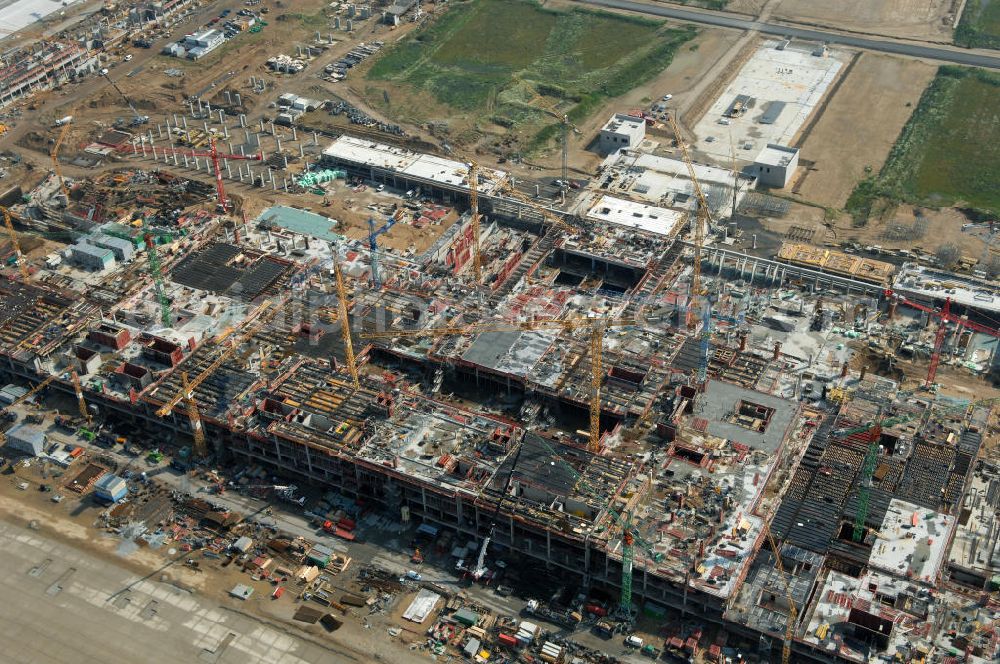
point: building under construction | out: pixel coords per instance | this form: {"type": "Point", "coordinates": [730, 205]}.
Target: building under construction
{"type": "Point", "coordinates": [578, 403]}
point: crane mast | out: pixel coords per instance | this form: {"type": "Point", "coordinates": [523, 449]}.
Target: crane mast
{"type": "Point", "coordinates": [596, 376]}
{"type": "Point", "coordinates": [703, 214]}
{"type": "Point", "coordinates": [197, 428]}
{"type": "Point", "coordinates": [55, 160]}
{"type": "Point", "coordinates": [18, 256]}
{"type": "Point", "coordinates": [477, 261]}
{"type": "Point", "coordinates": [345, 325]}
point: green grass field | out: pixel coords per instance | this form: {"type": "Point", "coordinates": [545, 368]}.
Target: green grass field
{"type": "Point", "coordinates": [949, 151]}
{"type": "Point", "coordinates": [980, 25]}
{"type": "Point", "coordinates": [493, 58]}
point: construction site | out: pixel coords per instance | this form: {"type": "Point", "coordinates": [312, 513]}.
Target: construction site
{"type": "Point", "coordinates": [589, 411]}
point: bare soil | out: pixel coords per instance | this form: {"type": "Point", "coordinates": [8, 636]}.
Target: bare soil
{"type": "Point", "coordinates": [882, 88]}
{"type": "Point", "coordinates": [914, 19]}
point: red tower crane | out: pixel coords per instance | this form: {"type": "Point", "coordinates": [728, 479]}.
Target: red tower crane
{"type": "Point", "coordinates": [212, 154]}
{"type": "Point", "coordinates": [944, 316]}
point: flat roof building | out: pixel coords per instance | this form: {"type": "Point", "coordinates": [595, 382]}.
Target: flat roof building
{"type": "Point", "coordinates": [90, 257]}
{"type": "Point", "coordinates": [621, 131]}
{"type": "Point", "coordinates": [775, 165]}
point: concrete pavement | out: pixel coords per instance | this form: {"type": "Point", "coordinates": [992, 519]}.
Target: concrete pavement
{"type": "Point", "coordinates": [65, 606]}
{"type": "Point", "coordinates": [944, 54]}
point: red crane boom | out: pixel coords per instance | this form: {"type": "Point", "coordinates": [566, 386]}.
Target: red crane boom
{"type": "Point", "coordinates": [212, 154]}
{"type": "Point", "coordinates": [944, 316]}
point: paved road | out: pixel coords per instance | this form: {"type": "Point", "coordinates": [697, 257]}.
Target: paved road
{"type": "Point", "coordinates": [974, 58]}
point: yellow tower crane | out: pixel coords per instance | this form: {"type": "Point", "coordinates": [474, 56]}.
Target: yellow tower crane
{"type": "Point", "coordinates": [55, 159]}
{"type": "Point", "coordinates": [793, 612]}
{"type": "Point", "coordinates": [81, 403]}
{"type": "Point", "coordinates": [197, 428]}
{"type": "Point", "coordinates": [19, 257]}
{"type": "Point", "coordinates": [597, 327]}
{"type": "Point", "coordinates": [345, 325]}
{"type": "Point", "coordinates": [265, 312]}
{"type": "Point", "coordinates": [703, 216]}
{"type": "Point", "coordinates": [540, 209]}
{"type": "Point", "coordinates": [477, 261]}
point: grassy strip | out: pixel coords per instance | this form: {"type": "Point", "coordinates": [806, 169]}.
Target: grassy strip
{"type": "Point", "coordinates": [493, 57]}
{"type": "Point", "coordinates": [946, 153]}
{"type": "Point", "coordinates": [980, 25]}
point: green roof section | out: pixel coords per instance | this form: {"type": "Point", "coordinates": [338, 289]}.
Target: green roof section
{"type": "Point", "coordinates": [301, 221]}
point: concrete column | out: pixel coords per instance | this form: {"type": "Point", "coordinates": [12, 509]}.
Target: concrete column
{"type": "Point", "coordinates": [200, 108]}
{"type": "Point", "coordinates": [143, 149]}
{"type": "Point", "coordinates": [243, 120]}
{"type": "Point", "coordinates": [222, 118]}
{"type": "Point", "coordinates": [274, 185]}
{"type": "Point", "coordinates": [277, 142]}
{"type": "Point", "coordinates": [175, 120]}
{"type": "Point", "coordinates": [204, 124]}
{"type": "Point", "coordinates": [285, 184]}
{"type": "Point", "coordinates": [208, 107]}
{"type": "Point", "coordinates": [176, 161]}
{"type": "Point", "coordinates": [241, 173]}
{"type": "Point", "coordinates": [159, 131]}
{"type": "Point", "coordinates": [154, 153]}
{"type": "Point", "coordinates": [229, 170]}
{"type": "Point", "coordinates": [197, 164]}
{"type": "Point", "coordinates": [239, 99]}
{"type": "Point", "coordinates": [315, 138]}
{"type": "Point", "coordinates": [185, 120]}
{"type": "Point", "coordinates": [229, 144]}
{"type": "Point", "coordinates": [262, 124]}
{"type": "Point", "coordinates": [242, 153]}
{"type": "Point", "coordinates": [273, 133]}
{"type": "Point", "coordinates": [185, 161]}
{"type": "Point", "coordinates": [302, 151]}
{"type": "Point", "coordinates": [229, 97]}
{"type": "Point", "coordinates": [295, 135]}
{"type": "Point", "coordinates": [286, 161]}
{"type": "Point", "coordinates": [270, 175]}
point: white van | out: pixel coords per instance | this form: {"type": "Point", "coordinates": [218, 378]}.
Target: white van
{"type": "Point", "coordinates": [633, 641]}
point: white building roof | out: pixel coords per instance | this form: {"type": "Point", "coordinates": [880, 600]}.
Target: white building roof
{"type": "Point", "coordinates": [913, 279]}
{"type": "Point", "coordinates": [430, 167]}
{"type": "Point", "coordinates": [912, 541]}
{"type": "Point", "coordinates": [619, 123]}
{"type": "Point", "coordinates": [666, 181]}
{"type": "Point", "coordinates": [649, 218]}
{"type": "Point", "coordinates": [776, 155]}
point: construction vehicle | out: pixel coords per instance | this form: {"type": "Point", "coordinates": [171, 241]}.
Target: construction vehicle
{"type": "Point", "coordinates": [944, 316]}
{"type": "Point", "coordinates": [137, 119]}
{"type": "Point", "coordinates": [18, 256]}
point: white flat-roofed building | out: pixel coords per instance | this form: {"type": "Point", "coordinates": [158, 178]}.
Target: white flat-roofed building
{"type": "Point", "coordinates": [648, 218]}
{"type": "Point", "coordinates": [405, 169]}
{"type": "Point", "coordinates": [621, 131]}
{"type": "Point", "coordinates": [775, 165]}
{"type": "Point", "coordinates": [200, 44]}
